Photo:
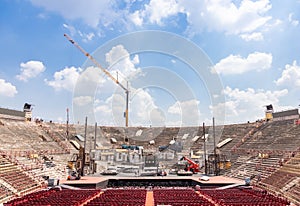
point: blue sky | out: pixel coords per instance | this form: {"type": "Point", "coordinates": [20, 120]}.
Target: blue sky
{"type": "Point", "coordinates": [253, 47]}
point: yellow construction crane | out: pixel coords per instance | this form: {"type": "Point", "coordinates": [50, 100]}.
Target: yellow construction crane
{"type": "Point", "coordinates": [106, 72]}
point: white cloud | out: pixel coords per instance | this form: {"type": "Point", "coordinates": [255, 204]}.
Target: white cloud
{"type": "Point", "coordinates": [180, 107]}
{"type": "Point", "coordinates": [157, 10]}
{"type": "Point", "coordinates": [70, 28]}
{"type": "Point", "coordinates": [119, 60]}
{"type": "Point", "coordinates": [89, 80]}
{"type": "Point", "coordinates": [136, 59]}
{"type": "Point", "coordinates": [91, 12]}
{"type": "Point", "coordinates": [7, 89]}
{"type": "Point", "coordinates": [104, 108]}
{"type": "Point", "coordinates": [235, 64]}
{"type": "Point", "coordinates": [65, 79]}
{"type": "Point", "coordinates": [91, 74]}
{"type": "Point", "coordinates": [142, 111]}
{"type": "Point", "coordinates": [30, 70]}
{"type": "Point", "coordinates": [226, 16]}
{"type": "Point", "coordinates": [175, 108]}
{"type": "Point", "coordinates": [137, 18]}
{"type": "Point", "coordinates": [255, 36]}
{"type": "Point", "coordinates": [290, 76]}
{"type": "Point", "coordinates": [90, 36]}
{"type": "Point", "coordinates": [112, 109]}
{"type": "Point", "coordinates": [82, 100]}
{"type": "Point", "coordinates": [244, 105]}
{"type": "Point", "coordinates": [188, 110]}
{"type": "Point", "coordinates": [42, 16]}
{"type": "Point", "coordinates": [86, 37]}
{"type": "Point", "coordinates": [157, 117]}
{"type": "Point", "coordinates": [293, 21]}
{"type": "Point", "coordinates": [243, 18]}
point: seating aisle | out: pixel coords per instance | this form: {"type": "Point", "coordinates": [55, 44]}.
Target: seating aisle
{"type": "Point", "coordinates": [149, 199]}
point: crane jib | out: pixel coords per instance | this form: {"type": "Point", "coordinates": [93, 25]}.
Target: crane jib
{"type": "Point", "coordinates": [105, 71]}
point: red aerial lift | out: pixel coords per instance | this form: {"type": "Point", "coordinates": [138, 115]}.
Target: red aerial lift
{"type": "Point", "coordinates": [191, 166]}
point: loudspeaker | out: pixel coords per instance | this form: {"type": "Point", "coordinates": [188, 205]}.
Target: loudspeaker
{"type": "Point", "coordinates": [269, 107]}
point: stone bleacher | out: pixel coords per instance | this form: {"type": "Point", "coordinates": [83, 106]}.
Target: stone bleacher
{"type": "Point", "coordinates": [294, 192]}
{"type": "Point", "coordinates": [236, 132]}
{"type": "Point", "coordinates": [275, 137]}
{"type": "Point", "coordinates": [247, 166]}
{"type": "Point", "coordinates": [15, 180]}
{"type": "Point", "coordinates": [26, 144]}
{"type": "Point", "coordinates": [286, 179]}
{"type": "Point", "coordinates": [161, 136]}
{"type": "Point", "coordinates": [5, 193]}
{"type": "Point", "coordinates": [18, 136]}
{"type": "Point", "coordinates": [279, 171]}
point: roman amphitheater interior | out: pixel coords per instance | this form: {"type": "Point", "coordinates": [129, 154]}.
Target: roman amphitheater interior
{"type": "Point", "coordinates": [37, 155]}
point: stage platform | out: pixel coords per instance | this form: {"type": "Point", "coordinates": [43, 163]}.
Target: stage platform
{"type": "Point", "coordinates": [101, 182]}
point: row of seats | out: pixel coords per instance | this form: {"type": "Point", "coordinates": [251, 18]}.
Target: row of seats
{"type": "Point", "coordinates": [295, 191]}
{"type": "Point", "coordinates": [55, 198]}
{"type": "Point", "coordinates": [4, 192]}
{"type": "Point", "coordinates": [29, 197]}
{"type": "Point", "coordinates": [162, 196]}
{"type": "Point", "coordinates": [275, 136]}
{"type": "Point", "coordinates": [279, 179]}
{"type": "Point", "coordinates": [122, 196]}
{"type": "Point", "coordinates": [178, 197]}
{"type": "Point", "coordinates": [14, 176]}
{"type": "Point", "coordinates": [249, 197]}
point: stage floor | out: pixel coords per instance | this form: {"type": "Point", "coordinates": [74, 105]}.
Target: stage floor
{"type": "Point", "coordinates": [98, 179]}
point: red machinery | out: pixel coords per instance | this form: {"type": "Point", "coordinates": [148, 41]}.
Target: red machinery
{"type": "Point", "coordinates": [191, 166]}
